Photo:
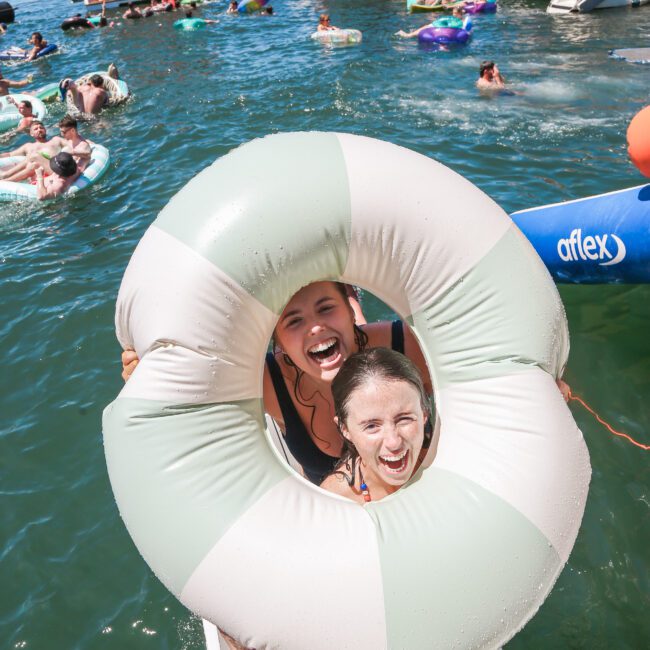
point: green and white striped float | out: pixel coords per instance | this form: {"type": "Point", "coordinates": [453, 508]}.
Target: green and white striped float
{"type": "Point", "coordinates": [465, 553]}
{"type": "Point", "coordinates": [9, 115]}
{"type": "Point", "coordinates": [99, 161]}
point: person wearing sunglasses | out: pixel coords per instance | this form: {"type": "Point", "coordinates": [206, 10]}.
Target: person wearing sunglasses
{"type": "Point", "coordinates": [324, 24]}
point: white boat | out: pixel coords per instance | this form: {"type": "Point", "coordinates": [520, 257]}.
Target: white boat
{"type": "Point", "coordinates": [583, 6]}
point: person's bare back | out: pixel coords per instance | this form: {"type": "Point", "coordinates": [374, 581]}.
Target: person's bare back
{"type": "Point", "coordinates": [89, 97]}
{"type": "Point", "coordinates": [94, 99]}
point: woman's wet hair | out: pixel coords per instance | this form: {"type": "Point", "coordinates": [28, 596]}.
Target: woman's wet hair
{"type": "Point", "coordinates": [376, 363]}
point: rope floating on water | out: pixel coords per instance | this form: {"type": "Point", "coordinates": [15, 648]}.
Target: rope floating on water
{"type": "Point", "coordinates": [575, 398]}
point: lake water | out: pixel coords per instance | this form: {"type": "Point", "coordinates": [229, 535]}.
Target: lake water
{"type": "Point", "coordinates": [70, 575]}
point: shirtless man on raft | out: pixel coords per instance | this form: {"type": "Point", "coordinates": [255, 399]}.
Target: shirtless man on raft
{"type": "Point", "coordinates": [89, 97]}
{"type": "Point", "coordinates": [69, 142]}
{"type": "Point", "coordinates": [64, 173]}
{"type": "Point", "coordinates": [38, 132]}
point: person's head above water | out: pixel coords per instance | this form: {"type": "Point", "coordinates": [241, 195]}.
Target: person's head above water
{"type": "Point", "coordinates": [317, 332]}
{"type": "Point", "coordinates": [97, 80]}
{"type": "Point", "coordinates": [36, 38]}
{"type": "Point", "coordinates": [324, 19]}
{"type": "Point", "coordinates": [381, 408]}
{"type": "Point", "coordinates": [486, 68]}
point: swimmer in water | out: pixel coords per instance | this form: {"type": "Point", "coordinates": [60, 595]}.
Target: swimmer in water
{"type": "Point", "coordinates": [232, 8]}
{"type": "Point", "coordinates": [132, 13]}
{"type": "Point", "coordinates": [489, 78]}
{"type": "Point", "coordinates": [381, 408]}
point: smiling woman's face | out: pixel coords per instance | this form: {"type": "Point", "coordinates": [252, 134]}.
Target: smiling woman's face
{"type": "Point", "coordinates": [385, 423]}
{"type": "Point", "coordinates": [316, 330]}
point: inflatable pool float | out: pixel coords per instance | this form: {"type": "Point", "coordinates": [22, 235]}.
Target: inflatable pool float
{"type": "Point", "coordinates": [603, 239]}
{"type": "Point", "coordinates": [468, 550]}
{"type": "Point", "coordinates": [117, 89]}
{"type": "Point", "coordinates": [190, 24]}
{"type": "Point", "coordinates": [77, 22]}
{"type": "Point", "coordinates": [488, 7]}
{"type": "Point", "coordinates": [48, 93]}
{"type": "Point", "coordinates": [338, 36]}
{"type": "Point", "coordinates": [9, 115]}
{"type": "Point", "coordinates": [10, 191]}
{"type": "Point", "coordinates": [414, 7]}
{"type": "Point", "coordinates": [447, 31]}
{"type": "Point", "coordinates": [17, 54]}
{"type": "Point", "coordinates": [251, 6]}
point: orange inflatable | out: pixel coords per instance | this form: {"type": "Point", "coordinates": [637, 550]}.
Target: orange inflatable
{"type": "Point", "coordinates": [638, 140]}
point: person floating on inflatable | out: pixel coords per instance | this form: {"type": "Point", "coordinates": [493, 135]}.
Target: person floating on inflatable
{"type": "Point", "coordinates": [381, 408]}
{"type": "Point", "coordinates": [638, 141]}
{"type": "Point", "coordinates": [64, 173]}
{"type": "Point", "coordinates": [190, 23]}
{"type": "Point", "coordinates": [456, 21]}
{"type": "Point", "coordinates": [38, 45]}
{"type": "Point", "coordinates": [325, 24]}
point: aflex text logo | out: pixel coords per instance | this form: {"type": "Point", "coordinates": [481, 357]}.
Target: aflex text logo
{"type": "Point", "coordinates": [575, 248]}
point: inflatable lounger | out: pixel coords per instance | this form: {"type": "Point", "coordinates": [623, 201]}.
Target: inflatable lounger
{"type": "Point", "coordinates": [338, 36]}
{"type": "Point", "coordinates": [422, 8]}
{"type": "Point", "coordinates": [48, 93]}
{"type": "Point", "coordinates": [99, 161]}
{"type": "Point", "coordinates": [9, 115]}
{"type": "Point", "coordinates": [602, 239]}
{"type": "Point", "coordinates": [20, 55]}
{"type": "Point", "coordinates": [632, 55]}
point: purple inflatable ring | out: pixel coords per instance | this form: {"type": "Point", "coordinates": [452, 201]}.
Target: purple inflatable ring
{"type": "Point", "coordinates": [480, 7]}
{"type": "Point", "coordinates": [443, 35]}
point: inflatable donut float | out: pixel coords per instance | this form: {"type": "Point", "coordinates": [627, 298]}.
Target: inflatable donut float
{"type": "Point", "coordinates": [467, 551]}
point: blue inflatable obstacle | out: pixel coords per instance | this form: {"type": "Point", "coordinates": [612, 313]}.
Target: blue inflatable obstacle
{"type": "Point", "coordinates": [602, 239]}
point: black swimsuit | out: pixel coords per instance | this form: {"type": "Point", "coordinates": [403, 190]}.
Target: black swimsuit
{"type": "Point", "coordinates": [315, 463]}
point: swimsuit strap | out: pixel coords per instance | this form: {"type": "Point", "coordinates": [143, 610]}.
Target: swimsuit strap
{"type": "Point", "coordinates": [315, 463]}
{"type": "Point", "coordinates": [397, 336]}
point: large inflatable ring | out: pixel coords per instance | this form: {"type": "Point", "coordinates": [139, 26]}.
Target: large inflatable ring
{"type": "Point", "coordinates": [465, 553]}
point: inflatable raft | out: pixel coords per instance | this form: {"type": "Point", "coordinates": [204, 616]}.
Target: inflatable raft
{"type": "Point", "coordinates": [10, 191]}
{"type": "Point", "coordinates": [603, 239]}
{"type": "Point", "coordinates": [9, 115]}
{"type": "Point", "coordinates": [338, 36]}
